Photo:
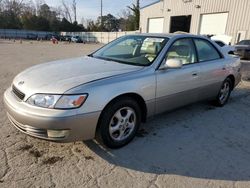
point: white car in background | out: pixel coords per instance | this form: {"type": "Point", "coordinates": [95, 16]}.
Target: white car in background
{"type": "Point", "coordinates": [225, 47]}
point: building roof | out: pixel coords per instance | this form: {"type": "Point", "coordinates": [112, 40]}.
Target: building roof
{"type": "Point", "coordinates": [151, 4]}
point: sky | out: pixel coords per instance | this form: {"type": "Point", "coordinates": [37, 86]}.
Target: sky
{"type": "Point", "coordinates": [90, 9]}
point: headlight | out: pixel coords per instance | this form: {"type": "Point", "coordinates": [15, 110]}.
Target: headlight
{"type": "Point", "coordinates": [57, 101]}
{"type": "Point", "coordinates": [70, 101]}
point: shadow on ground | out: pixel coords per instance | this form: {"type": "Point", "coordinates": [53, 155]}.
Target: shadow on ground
{"type": "Point", "coordinates": [199, 141]}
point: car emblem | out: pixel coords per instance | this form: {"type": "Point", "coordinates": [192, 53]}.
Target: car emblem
{"type": "Point", "coordinates": [20, 83]}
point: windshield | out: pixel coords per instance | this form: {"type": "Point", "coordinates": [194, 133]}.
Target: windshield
{"type": "Point", "coordinates": [244, 42]}
{"type": "Point", "coordinates": [133, 50]}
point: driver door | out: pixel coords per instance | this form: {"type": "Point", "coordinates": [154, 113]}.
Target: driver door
{"type": "Point", "coordinates": [178, 87]}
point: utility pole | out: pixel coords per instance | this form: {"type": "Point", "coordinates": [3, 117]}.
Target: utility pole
{"type": "Point", "coordinates": [101, 16]}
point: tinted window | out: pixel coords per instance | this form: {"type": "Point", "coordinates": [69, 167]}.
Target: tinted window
{"type": "Point", "coordinates": [221, 44]}
{"type": "Point", "coordinates": [183, 50]}
{"type": "Point", "coordinates": [206, 51]}
{"type": "Point", "coordinates": [244, 42]}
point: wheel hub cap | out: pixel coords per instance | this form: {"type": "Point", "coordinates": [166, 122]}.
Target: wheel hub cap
{"type": "Point", "coordinates": [224, 92]}
{"type": "Point", "coordinates": [122, 124]}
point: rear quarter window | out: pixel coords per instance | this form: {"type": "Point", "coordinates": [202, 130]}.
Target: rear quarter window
{"type": "Point", "coordinates": [206, 51]}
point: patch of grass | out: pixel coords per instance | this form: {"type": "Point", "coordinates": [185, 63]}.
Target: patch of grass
{"type": "Point", "coordinates": [78, 150]}
{"type": "Point", "coordinates": [89, 158]}
{"type": "Point", "coordinates": [35, 153]}
{"type": "Point", "coordinates": [52, 160]}
{"type": "Point", "coordinates": [25, 147]}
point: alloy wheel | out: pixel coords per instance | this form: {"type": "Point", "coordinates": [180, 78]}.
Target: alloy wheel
{"type": "Point", "coordinates": [122, 124]}
{"type": "Point", "coordinates": [224, 92]}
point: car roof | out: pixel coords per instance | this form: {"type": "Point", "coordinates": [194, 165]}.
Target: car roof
{"type": "Point", "coordinates": [169, 35]}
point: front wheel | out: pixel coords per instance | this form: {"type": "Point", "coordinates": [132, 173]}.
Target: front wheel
{"type": "Point", "coordinates": [224, 93]}
{"type": "Point", "coordinates": [120, 122]}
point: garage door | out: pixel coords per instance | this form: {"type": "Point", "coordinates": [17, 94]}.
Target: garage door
{"type": "Point", "coordinates": [155, 25]}
{"type": "Point", "coordinates": [213, 24]}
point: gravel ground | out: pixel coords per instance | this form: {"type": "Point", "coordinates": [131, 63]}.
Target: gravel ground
{"type": "Point", "coordinates": [196, 146]}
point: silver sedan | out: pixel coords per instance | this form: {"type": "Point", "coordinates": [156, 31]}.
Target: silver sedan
{"type": "Point", "coordinates": [108, 93]}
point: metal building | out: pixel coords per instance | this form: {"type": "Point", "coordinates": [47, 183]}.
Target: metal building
{"type": "Point", "coordinates": [209, 17]}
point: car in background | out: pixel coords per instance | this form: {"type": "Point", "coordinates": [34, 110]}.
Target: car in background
{"type": "Point", "coordinates": [50, 36]}
{"type": "Point", "coordinates": [225, 47]}
{"type": "Point", "coordinates": [76, 39]}
{"type": "Point", "coordinates": [108, 93]}
{"type": "Point", "coordinates": [66, 38]}
{"type": "Point", "coordinates": [243, 49]}
{"type": "Point", "coordinates": [32, 36]}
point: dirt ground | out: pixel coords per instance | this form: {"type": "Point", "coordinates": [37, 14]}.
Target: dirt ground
{"type": "Point", "coordinates": [196, 146]}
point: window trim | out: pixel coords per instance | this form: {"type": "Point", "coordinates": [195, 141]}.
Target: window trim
{"type": "Point", "coordinates": [181, 38]}
{"type": "Point", "coordinates": [217, 50]}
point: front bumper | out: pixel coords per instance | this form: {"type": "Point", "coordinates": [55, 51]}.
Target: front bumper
{"type": "Point", "coordinates": [73, 127]}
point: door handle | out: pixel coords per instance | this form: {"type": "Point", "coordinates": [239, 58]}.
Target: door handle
{"type": "Point", "coordinates": [194, 74]}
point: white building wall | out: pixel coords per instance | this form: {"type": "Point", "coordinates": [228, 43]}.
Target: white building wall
{"type": "Point", "coordinates": [238, 17]}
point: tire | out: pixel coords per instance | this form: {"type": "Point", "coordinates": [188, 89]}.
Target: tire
{"type": "Point", "coordinates": [224, 93]}
{"type": "Point", "coordinates": [119, 122]}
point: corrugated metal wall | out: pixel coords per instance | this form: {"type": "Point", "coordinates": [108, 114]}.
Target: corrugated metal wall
{"type": "Point", "coordinates": [238, 17]}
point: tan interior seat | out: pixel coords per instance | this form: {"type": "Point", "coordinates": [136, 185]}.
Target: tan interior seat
{"type": "Point", "coordinates": [181, 52]}
{"type": "Point", "coordinates": [151, 52]}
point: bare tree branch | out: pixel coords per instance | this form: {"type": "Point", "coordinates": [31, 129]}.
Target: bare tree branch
{"type": "Point", "coordinates": [66, 11]}
{"type": "Point", "coordinates": [74, 9]}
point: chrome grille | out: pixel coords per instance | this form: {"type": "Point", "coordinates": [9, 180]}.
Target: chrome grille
{"type": "Point", "coordinates": [18, 93]}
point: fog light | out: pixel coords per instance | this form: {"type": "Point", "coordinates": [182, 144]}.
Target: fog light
{"type": "Point", "coordinates": [57, 133]}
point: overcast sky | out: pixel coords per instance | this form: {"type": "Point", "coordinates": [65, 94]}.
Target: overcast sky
{"type": "Point", "coordinates": [91, 8]}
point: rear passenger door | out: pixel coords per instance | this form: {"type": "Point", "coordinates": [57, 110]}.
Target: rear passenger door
{"type": "Point", "coordinates": [212, 68]}
{"type": "Point", "coordinates": [178, 87]}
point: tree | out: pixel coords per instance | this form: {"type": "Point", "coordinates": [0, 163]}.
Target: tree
{"type": "Point", "coordinates": [74, 9]}
{"type": "Point", "coordinates": [66, 11]}
{"type": "Point", "coordinates": [91, 26]}
{"type": "Point", "coordinates": [44, 11]}
{"type": "Point", "coordinates": [110, 23]}
{"type": "Point", "coordinates": [9, 20]}
{"type": "Point", "coordinates": [126, 20]}
{"type": "Point", "coordinates": [136, 11]}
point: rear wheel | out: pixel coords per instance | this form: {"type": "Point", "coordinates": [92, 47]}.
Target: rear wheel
{"type": "Point", "coordinates": [224, 93]}
{"type": "Point", "coordinates": [119, 122]}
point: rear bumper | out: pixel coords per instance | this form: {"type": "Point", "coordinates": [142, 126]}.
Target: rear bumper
{"type": "Point", "coordinates": [244, 54]}
{"type": "Point", "coordinates": [237, 79]}
{"type": "Point", "coordinates": [72, 127]}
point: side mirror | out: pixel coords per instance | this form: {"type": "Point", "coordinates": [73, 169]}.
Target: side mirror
{"type": "Point", "coordinates": [172, 64]}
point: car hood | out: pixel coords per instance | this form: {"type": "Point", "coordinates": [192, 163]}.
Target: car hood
{"type": "Point", "coordinates": [59, 76]}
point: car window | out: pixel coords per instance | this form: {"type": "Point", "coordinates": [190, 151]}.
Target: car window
{"type": "Point", "coordinates": [184, 50]}
{"type": "Point", "coordinates": [125, 47]}
{"type": "Point", "coordinates": [244, 42]}
{"type": "Point", "coordinates": [221, 44]}
{"type": "Point", "coordinates": [206, 51]}
{"type": "Point", "coordinates": [134, 50]}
